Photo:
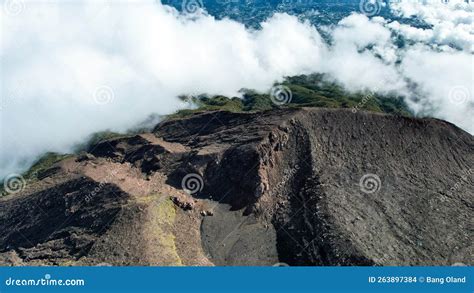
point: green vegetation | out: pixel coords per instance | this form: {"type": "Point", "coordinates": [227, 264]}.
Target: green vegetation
{"type": "Point", "coordinates": [42, 164]}
{"type": "Point", "coordinates": [306, 91]}
{"type": "Point", "coordinates": [315, 91]}
{"type": "Point", "coordinates": [205, 103]}
{"type": "Point", "coordinates": [97, 137]}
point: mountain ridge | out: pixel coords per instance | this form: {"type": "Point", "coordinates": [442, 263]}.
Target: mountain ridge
{"type": "Point", "coordinates": [279, 186]}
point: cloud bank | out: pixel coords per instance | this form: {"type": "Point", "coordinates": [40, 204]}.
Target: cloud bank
{"type": "Point", "coordinates": [73, 68]}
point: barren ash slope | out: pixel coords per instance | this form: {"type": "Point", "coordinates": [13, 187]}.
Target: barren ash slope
{"type": "Point", "coordinates": [296, 186]}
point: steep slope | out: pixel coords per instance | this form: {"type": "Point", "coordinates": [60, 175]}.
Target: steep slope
{"type": "Point", "coordinates": [295, 186]}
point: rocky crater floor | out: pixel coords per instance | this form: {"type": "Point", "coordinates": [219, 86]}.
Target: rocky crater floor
{"type": "Point", "coordinates": [298, 187]}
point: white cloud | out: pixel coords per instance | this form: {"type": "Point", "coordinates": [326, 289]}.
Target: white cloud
{"type": "Point", "coordinates": [446, 78]}
{"type": "Point", "coordinates": [56, 56]}
{"type": "Point", "coordinates": [358, 68]}
{"type": "Point", "coordinates": [441, 62]}
{"type": "Point", "coordinates": [452, 23]}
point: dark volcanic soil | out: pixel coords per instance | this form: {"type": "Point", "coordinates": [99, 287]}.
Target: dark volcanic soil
{"type": "Point", "coordinates": [294, 186]}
